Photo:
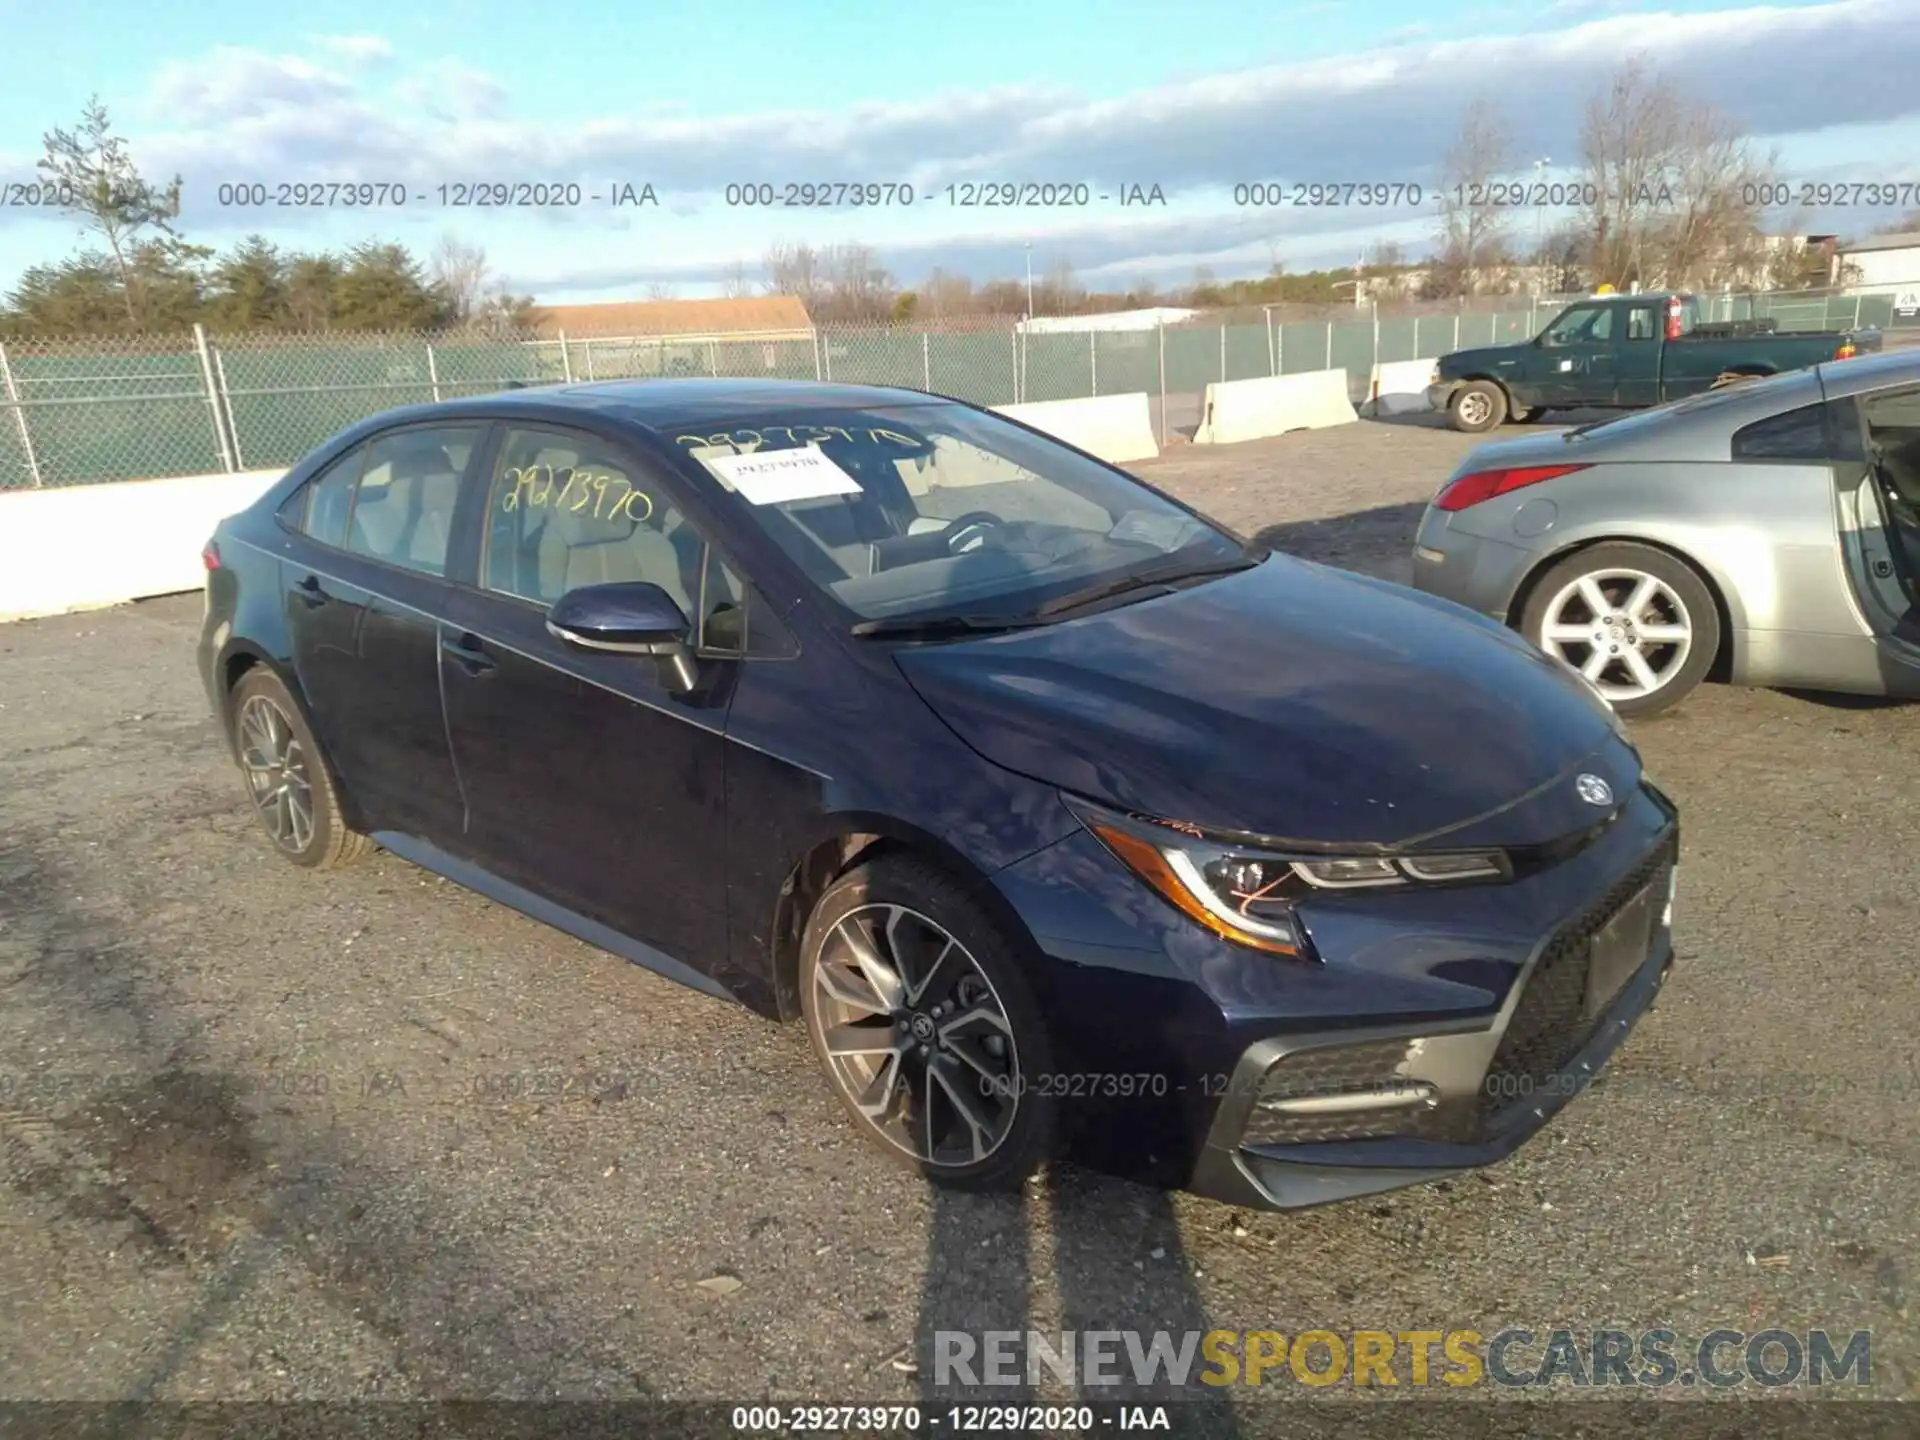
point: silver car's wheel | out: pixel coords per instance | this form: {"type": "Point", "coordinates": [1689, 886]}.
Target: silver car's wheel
{"type": "Point", "coordinates": [1628, 632]}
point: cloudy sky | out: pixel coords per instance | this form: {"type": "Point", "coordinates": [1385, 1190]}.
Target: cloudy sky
{"type": "Point", "coordinates": [1110, 94]}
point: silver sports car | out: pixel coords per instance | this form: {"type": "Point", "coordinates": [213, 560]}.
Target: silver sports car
{"type": "Point", "coordinates": [1767, 532]}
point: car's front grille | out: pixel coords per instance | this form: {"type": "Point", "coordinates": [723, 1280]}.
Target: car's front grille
{"type": "Point", "coordinates": [1549, 1025]}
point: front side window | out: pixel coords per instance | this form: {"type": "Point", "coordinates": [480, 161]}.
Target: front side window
{"type": "Point", "coordinates": [402, 509]}
{"type": "Point", "coordinates": [566, 510]}
{"type": "Point", "coordinates": [931, 507]}
{"type": "Point", "coordinates": [1582, 324]}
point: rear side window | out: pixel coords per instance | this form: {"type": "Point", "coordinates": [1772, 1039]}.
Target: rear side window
{"type": "Point", "coordinates": [320, 507]}
{"type": "Point", "coordinates": [403, 506]}
{"type": "Point", "coordinates": [1793, 435]}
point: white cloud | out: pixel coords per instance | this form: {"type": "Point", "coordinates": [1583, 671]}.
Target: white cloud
{"type": "Point", "coordinates": [350, 109]}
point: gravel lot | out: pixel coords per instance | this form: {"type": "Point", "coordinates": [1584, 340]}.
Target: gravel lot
{"type": "Point", "coordinates": [269, 1135]}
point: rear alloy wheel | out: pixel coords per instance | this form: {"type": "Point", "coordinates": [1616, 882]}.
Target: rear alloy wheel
{"type": "Point", "coordinates": [287, 779]}
{"type": "Point", "coordinates": [1637, 622]}
{"type": "Point", "coordinates": [1478, 405]}
{"type": "Point", "coordinates": [917, 1009]}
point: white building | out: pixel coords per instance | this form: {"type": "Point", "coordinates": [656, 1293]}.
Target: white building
{"type": "Point", "coordinates": [1113, 320]}
{"type": "Point", "coordinates": [1887, 260]}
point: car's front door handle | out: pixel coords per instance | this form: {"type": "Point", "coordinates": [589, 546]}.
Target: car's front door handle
{"type": "Point", "coordinates": [311, 592]}
{"type": "Point", "coordinates": [469, 653]}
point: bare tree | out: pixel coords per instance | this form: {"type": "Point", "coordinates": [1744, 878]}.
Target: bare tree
{"type": "Point", "coordinates": [1472, 236]}
{"type": "Point", "coordinates": [734, 284]}
{"type": "Point", "coordinates": [943, 295]}
{"type": "Point", "coordinates": [93, 176]}
{"type": "Point", "coordinates": [660, 290]}
{"type": "Point", "coordinates": [796, 270]}
{"type": "Point", "coordinates": [1677, 185]}
{"type": "Point", "coordinates": [858, 285]}
{"type": "Point", "coordinates": [461, 271]}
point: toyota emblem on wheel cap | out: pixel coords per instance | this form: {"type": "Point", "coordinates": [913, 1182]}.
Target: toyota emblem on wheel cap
{"type": "Point", "coordinates": [1594, 790]}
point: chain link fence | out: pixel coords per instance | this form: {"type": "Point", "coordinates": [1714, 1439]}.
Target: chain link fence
{"type": "Point", "coordinates": [76, 412]}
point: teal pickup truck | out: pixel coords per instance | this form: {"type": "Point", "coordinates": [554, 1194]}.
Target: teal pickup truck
{"type": "Point", "coordinates": [1623, 352]}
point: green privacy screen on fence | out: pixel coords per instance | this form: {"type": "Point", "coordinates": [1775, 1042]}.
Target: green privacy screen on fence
{"type": "Point", "coordinates": [81, 411]}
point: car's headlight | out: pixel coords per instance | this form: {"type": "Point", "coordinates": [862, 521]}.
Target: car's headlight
{"type": "Point", "coordinates": [1247, 894]}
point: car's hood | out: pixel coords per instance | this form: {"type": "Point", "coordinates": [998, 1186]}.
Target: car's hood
{"type": "Point", "coordinates": [1481, 359]}
{"type": "Point", "coordinates": [1290, 701]}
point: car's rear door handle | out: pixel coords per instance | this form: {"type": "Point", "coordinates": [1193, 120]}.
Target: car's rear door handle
{"type": "Point", "coordinates": [311, 592]}
{"type": "Point", "coordinates": [469, 653]}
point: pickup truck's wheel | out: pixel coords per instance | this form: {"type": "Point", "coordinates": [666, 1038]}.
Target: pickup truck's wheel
{"type": "Point", "coordinates": [1636, 621]}
{"type": "Point", "coordinates": [1477, 406]}
{"type": "Point", "coordinates": [918, 1009]}
{"type": "Point", "coordinates": [1735, 377]}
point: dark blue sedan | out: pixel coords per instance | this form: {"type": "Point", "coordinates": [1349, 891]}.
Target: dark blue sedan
{"type": "Point", "coordinates": [1068, 821]}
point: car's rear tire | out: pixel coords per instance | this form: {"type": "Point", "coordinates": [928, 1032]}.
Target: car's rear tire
{"type": "Point", "coordinates": [287, 778]}
{"type": "Point", "coordinates": [920, 1013]}
{"type": "Point", "coordinates": [1638, 622]}
{"type": "Point", "coordinates": [1477, 406]}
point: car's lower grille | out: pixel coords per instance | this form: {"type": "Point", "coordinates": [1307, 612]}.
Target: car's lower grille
{"type": "Point", "coordinates": [1368, 1068]}
{"type": "Point", "coordinates": [1549, 1025]}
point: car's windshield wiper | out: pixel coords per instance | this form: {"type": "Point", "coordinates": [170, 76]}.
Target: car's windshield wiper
{"type": "Point", "coordinates": [934, 626]}
{"type": "Point", "coordinates": [1146, 580]}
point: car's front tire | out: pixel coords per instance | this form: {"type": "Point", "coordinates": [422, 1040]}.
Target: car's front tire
{"type": "Point", "coordinates": [287, 778]}
{"type": "Point", "coordinates": [1477, 406]}
{"type": "Point", "coordinates": [1638, 622]}
{"type": "Point", "coordinates": [919, 1011]}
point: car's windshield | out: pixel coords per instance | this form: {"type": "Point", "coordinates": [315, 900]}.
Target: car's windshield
{"type": "Point", "coordinates": [933, 508]}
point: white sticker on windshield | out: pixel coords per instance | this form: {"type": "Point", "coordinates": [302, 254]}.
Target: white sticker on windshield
{"type": "Point", "coordinates": [773, 477]}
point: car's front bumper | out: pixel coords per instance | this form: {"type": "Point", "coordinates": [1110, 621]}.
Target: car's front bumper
{"type": "Point", "coordinates": [1169, 1041]}
{"type": "Point", "coordinates": [1458, 1078]}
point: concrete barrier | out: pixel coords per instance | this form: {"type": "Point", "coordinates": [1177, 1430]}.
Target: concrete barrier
{"type": "Point", "coordinates": [80, 547]}
{"type": "Point", "coordinates": [1117, 428]}
{"type": "Point", "coordinates": [1400, 386]}
{"type": "Point", "coordinates": [1248, 409]}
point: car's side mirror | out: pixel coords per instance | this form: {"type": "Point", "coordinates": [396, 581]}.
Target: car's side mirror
{"type": "Point", "coordinates": [628, 618]}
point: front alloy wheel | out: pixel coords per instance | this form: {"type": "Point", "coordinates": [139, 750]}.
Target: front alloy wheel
{"type": "Point", "coordinates": [916, 1007]}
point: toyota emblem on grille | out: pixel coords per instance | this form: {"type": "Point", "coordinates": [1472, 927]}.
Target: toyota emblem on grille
{"type": "Point", "coordinates": [1594, 790]}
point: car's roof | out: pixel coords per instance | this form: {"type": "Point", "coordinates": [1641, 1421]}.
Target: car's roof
{"type": "Point", "coordinates": [1871, 371]}
{"type": "Point", "coordinates": [665, 404]}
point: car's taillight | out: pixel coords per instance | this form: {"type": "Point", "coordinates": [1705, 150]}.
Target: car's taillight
{"type": "Point", "coordinates": [210, 557]}
{"type": "Point", "coordinates": [1482, 485]}
{"type": "Point", "coordinates": [1846, 351]}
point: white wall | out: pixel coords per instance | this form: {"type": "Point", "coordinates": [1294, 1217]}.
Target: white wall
{"type": "Point", "coordinates": [79, 547]}
{"type": "Point", "coordinates": [1885, 267]}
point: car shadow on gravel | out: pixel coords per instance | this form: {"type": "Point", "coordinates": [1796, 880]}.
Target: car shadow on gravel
{"type": "Point", "coordinates": [1117, 1263]}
